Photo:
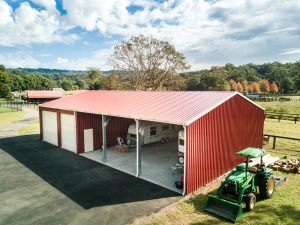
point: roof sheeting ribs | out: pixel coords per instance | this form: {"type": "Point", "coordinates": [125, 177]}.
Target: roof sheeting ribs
{"type": "Point", "coordinates": [180, 108]}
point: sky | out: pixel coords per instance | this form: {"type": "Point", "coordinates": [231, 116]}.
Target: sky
{"type": "Point", "coordinates": [76, 34]}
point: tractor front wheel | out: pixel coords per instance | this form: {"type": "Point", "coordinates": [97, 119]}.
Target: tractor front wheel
{"type": "Point", "coordinates": [250, 201]}
{"type": "Point", "coordinates": [267, 187]}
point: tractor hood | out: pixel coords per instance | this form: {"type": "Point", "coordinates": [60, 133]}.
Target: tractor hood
{"type": "Point", "coordinates": [237, 176]}
{"type": "Point", "coordinates": [252, 152]}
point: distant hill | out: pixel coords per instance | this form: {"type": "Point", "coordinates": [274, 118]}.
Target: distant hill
{"type": "Point", "coordinates": [52, 71]}
{"type": "Point", "coordinates": [55, 71]}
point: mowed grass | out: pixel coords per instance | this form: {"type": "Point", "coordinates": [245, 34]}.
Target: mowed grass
{"type": "Point", "coordinates": [5, 109]}
{"type": "Point", "coordinates": [282, 107]}
{"type": "Point", "coordinates": [33, 128]}
{"type": "Point", "coordinates": [283, 128]}
{"type": "Point", "coordinates": [282, 208]}
{"type": "Point", "coordinates": [8, 117]}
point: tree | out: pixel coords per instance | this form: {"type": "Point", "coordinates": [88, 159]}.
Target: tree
{"type": "Point", "coordinates": [2, 68]}
{"type": "Point", "coordinates": [5, 83]}
{"type": "Point", "coordinates": [93, 74]}
{"type": "Point", "coordinates": [148, 63]}
{"type": "Point", "coordinates": [250, 88]}
{"type": "Point", "coordinates": [209, 80]}
{"type": "Point", "coordinates": [264, 86]}
{"type": "Point", "coordinates": [67, 85]}
{"type": "Point", "coordinates": [255, 87]}
{"type": "Point", "coordinates": [286, 85]}
{"type": "Point", "coordinates": [245, 85]}
{"type": "Point", "coordinates": [95, 79]}
{"type": "Point", "coordinates": [239, 87]}
{"type": "Point", "coordinates": [273, 88]}
{"type": "Point", "coordinates": [232, 84]}
{"type": "Point", "coordinates": [81, 84]}
{"type": "Point", "coordinates": [245, 72]}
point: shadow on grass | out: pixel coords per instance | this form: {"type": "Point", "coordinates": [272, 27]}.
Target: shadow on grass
{"type": "Point", "coordinates": [281, 214]}
{"type": "Point", "coordinates": [88, 183]}
{"type": "Point", "coordinates": [199, 202]}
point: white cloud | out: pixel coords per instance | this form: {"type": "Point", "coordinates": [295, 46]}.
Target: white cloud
{"type": "Point", "coordinates": [19, 60]}
{"type": "Point", "coordinates": [61, 61]}
{"type": "Point", "coordinates": [290, 51]}
{"type": "Point", "coordinates": [246, 29]}
{"type": "Point", "coordinates": [207, 32]}
{"type": "Point", "coordinates": [26, 25]}
{"type": "Point", "coordinates": [48, 4]}
{"type": "Point", "coordinates": [97, 59]}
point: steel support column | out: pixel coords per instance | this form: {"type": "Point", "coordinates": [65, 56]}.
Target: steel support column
{"type": "Point", "coordinates": [105, 121]}
{"type": "Point", "coordinates": [184, 165]}
{"type": "Point", "coordinates": [138, 149]}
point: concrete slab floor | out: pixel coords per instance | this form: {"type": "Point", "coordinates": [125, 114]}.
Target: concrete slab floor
{"type": "Point", "coordinates": [156, 166]}
{"type": "Point", "coordinates": [43, 184]}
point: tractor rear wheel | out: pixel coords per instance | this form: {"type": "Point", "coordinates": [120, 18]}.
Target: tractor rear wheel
{"type": "Point", "coordinates": [267, 187]}
{"type": "Point", "coordinates": [250, 201]}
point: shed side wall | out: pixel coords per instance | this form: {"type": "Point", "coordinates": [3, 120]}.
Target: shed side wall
{"type": "Point", "coordinates": [88, 121]}
{"type": "Point", "coordinates": [117, 127]}
{"type": "Point", "coordinates": [213, 139]}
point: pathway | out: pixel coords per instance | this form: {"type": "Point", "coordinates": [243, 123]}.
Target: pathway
{"type": "Point", "coordinates": [11, 129]}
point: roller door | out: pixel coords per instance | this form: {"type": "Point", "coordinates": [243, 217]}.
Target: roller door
{"type": "Point", "coordinates": [50, 127]}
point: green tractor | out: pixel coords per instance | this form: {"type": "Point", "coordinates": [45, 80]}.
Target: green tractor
{"type": "Point", "coordinates": [240, 185]}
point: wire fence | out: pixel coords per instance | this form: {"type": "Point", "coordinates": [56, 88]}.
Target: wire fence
{"type": "Point", "coordinates": [17, 105]}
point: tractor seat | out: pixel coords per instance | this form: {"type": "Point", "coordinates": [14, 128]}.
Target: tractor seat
{"type": "Point", "coordinates": [252, 169]}
{"type": "Point", "coordinates": [242, 167]}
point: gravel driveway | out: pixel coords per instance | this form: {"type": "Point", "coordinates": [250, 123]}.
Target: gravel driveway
{"type": "Point", "coordinates": [11, 129]}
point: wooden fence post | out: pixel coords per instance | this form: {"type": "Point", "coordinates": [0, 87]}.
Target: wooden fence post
{"type": "Point", "coordinates": [274, 142]}
{"type": "Point", "coordinates": [279, 117]}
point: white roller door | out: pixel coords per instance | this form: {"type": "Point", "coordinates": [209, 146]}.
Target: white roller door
{"type": "Point", "coordinates": [50, 127]}
{"type": "Point", "coordinates": [68, 132]}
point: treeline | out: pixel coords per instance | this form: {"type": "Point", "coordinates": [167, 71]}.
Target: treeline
{"type": "Point", "coordinates": [270, 77]}
{"type": "Point", "coordinates": [266, 78]}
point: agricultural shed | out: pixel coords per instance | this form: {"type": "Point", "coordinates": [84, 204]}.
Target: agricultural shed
{"type": "Point", "coordinates": [215, 125]}
{"type": "Point", "coordinates": [43, 96]}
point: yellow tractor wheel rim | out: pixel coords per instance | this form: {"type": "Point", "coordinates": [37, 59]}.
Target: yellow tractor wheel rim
{"type": "Point", "coordinates": [252, 203]}
{"type": "Point", "coordinates": [271, 186]}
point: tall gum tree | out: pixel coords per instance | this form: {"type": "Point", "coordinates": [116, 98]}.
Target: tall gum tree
{"type": "Point", "coordinates": [149, 64]}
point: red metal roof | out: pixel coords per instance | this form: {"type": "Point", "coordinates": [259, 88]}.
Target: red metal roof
{"type": "Point", "coordinates": [181, 108]}
{"type": "Point", "coordinates": [44, 94]}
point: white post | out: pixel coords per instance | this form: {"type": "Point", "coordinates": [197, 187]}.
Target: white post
{"type": "Point", "coordinates": [184, 164]}
{"type": "Point", "coordinates": [75, 130]}
{"type": "Point", "coordinates": [104, 138]}
{"type": "Point", "coordinates": [138, 154]}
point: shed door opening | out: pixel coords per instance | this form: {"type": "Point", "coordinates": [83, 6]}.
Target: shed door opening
{"type": "Point", "coordinates": [50, 127]}
{"type": "Point", "coordinates": [88, 140]}
{"type": "Point", "coordinates": [68, 132]}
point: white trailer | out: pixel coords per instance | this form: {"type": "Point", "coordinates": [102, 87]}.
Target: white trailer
{"type": "Point", "coordinates": [152, 132]}
{"type": "Point", "coordinates": [181, 146]}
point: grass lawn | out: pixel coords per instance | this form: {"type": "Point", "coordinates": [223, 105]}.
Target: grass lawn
{"type": "Point", "coordinates": [291, 107]}
{"type": "Point", "coordinates": [8, 117]}
{"type": "Point", "coordinates": [5, 109]}
{"type": "Point", "coordinates": [282, 208]}
{"type": "Point", "coordinates": [33, 128]}
{"type": "Point", "coordinates": [283, 128]}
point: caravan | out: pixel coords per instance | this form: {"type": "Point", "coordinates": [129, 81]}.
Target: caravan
{"type": "Point", "coordinates": [181, 146]}
{"type": "Point", "coordinates": [152, 132]}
